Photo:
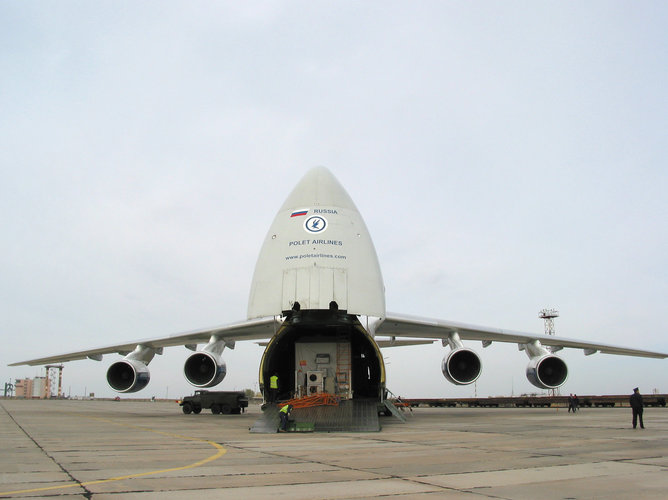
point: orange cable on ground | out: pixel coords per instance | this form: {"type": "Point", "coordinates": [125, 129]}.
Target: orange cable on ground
{"type": "Point", "coordinates": [321, 399]}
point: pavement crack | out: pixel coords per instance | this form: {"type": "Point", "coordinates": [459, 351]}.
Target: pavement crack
{"type": "Point", "coordinates": [87, 493]}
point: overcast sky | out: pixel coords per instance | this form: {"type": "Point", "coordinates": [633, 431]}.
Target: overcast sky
{"type": "Point", "coordinates": [506, 157]}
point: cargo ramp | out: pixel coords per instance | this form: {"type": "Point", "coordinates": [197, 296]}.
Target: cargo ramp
{"type": "Point", "coordinates": [352, 415]}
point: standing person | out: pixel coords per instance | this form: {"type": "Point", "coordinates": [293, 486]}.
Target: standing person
{"type": "Point", "coordinates": [284, 413]}
{"type": "Point", "coordinates": [636, 407]}
{"type": "Point", "coordinates": [273, 388]}
{"type": "Point", "coordinates": [576, 402]}
{"type": "Point", "coordinates": [570, 403]}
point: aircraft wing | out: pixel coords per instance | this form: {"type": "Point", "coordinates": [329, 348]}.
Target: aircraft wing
{"type": "Point", "coordinates": [394, 342]}
{"type": "Point", "coordinates": [244, 330]}
{"type": "Point", "coordinates": [382, 343]}
{"type": "Point", "coordinates": [396, 325]}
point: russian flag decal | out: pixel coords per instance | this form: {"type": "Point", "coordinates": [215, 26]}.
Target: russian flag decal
{"type": "Point", "coordinates": [298, 213]}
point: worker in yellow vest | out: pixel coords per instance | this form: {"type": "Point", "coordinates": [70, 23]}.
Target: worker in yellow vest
{"type": "Point", "coordinates": [273, 388]}
{"type": "Point", "coordinates": [284, 413]}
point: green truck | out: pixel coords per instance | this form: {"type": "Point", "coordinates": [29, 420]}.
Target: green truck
{"type": "Point", "coordinates": [225, 402]}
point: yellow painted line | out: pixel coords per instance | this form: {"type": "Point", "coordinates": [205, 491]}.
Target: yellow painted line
{"type": "Point", "coordinates": [221, 451]}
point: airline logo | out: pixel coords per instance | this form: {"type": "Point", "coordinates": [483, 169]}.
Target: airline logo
{"type": "Point", "coordinates": [299, 213]}
{"type": "Point", "coordinates": [315, 224]}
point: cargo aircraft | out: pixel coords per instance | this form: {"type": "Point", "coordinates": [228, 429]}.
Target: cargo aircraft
{"type": "Point", "coordinates": [317, 302]}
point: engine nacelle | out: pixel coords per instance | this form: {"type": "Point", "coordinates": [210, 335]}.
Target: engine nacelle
{"type": "Point", "coordinates": [461, 366]}
{"type": "Point", "coordinates": [128, 375]}
{"type": "Point", "coordinates": [547, 371]}
{"type": "Point", "coordinates": [204, 369]}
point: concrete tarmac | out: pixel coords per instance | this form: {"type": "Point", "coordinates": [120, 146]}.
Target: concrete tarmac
{"type": "Point", "coordinates": [143, 450]}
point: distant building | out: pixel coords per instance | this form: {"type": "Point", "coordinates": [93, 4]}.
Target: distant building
{"type": "Point", "coordinates": [39, 387]}
{"type": "Point", "coordinates": [23, 388]}
{"type": "Point", "coordinates": [29, 388]}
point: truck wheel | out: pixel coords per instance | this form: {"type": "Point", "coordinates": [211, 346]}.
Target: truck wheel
{"type": "Point", "coordinates": [225, 409]}
{"type": "Point", "coordinates": [187, 408]}
{"type": "Point", "coordinates": [197, 410]}
{"type": "Point", "coordinates": [215, 409]}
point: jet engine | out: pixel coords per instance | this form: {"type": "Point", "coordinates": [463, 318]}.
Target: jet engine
{"type": "Point", "coordinates": [128, 375]}
{"type": "Point", "coordinates": [204, 369]}
{"type": "Point", "coordinates": [131, 373]}
{"type": "Point", "coordinates": [461, 366]}
{"type": "Point", "coordinates": [545, 370]}
{"type": "Point", "coordinates": [207, 368]}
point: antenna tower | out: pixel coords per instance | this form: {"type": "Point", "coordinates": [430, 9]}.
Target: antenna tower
{"type": "Point", "coordinates": [54, 386]}
{"type": "Point", "coordinates": [548, 315]}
